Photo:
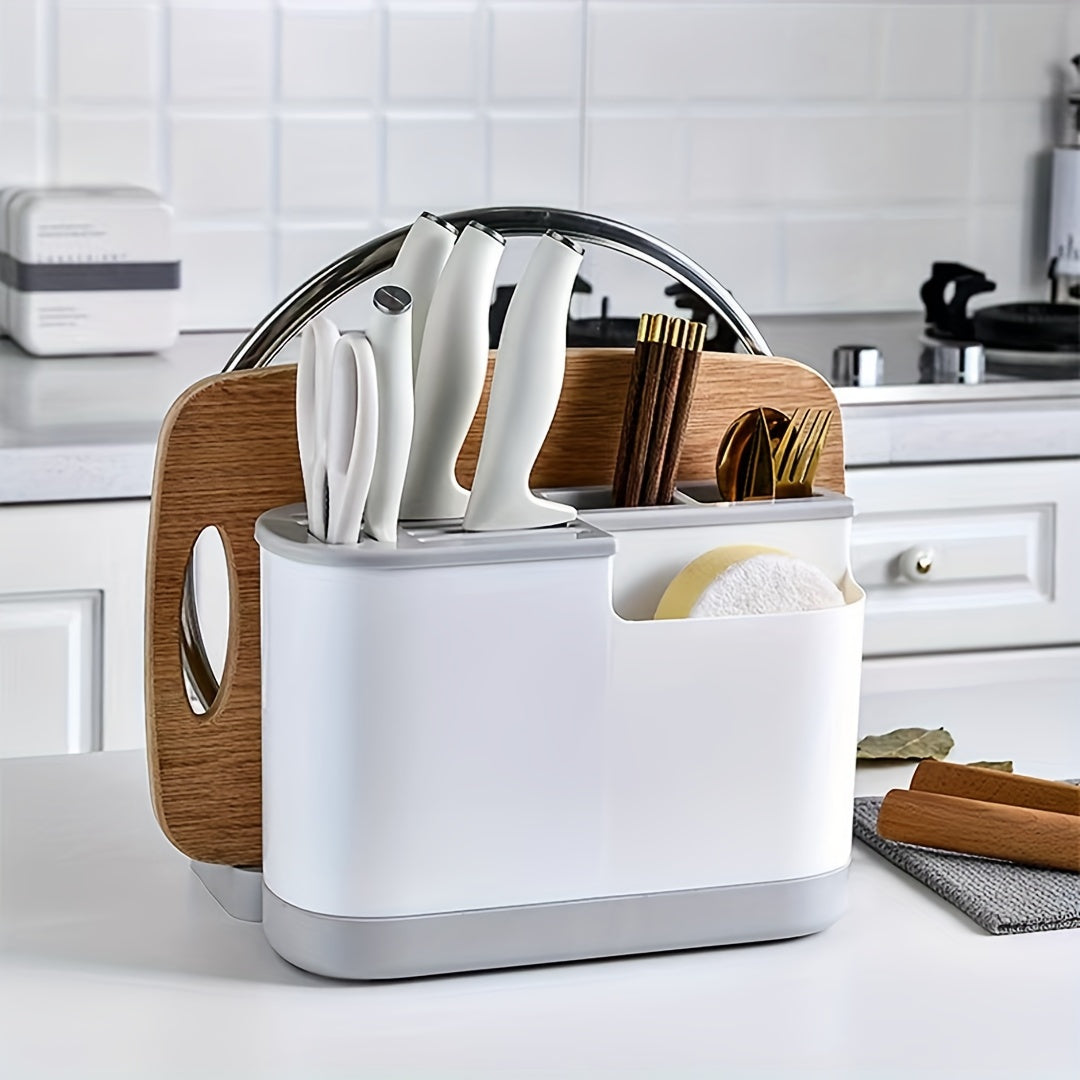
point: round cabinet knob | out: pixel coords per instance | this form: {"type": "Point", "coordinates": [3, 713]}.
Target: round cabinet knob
{"type": "Point", "coordinates": [857, 365]}
{"type": "Point", "coordinates": [917, 563]}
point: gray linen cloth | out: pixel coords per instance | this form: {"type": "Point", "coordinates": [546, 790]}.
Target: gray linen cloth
{"type": "Point", "coordinates": [1002, 897]}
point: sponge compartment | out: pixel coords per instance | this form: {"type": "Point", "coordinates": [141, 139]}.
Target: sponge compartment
{"type": "Point", "coordinates": [730, 741]}
{"type": "Point", "coordinates": [653, 543]}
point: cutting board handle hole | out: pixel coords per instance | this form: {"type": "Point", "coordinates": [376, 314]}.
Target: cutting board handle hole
{"type": "Point", "coordinates": [210, 573]}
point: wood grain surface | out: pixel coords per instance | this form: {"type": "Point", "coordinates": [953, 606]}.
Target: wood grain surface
{"type": "Point", "coordinates": [991, 785]}
{"type": "Point", "coordinates": [1017, 833]}
{"type": "Point", "coordinates": [227, 452]}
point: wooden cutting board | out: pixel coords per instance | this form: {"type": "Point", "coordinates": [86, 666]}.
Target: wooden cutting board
{"type": "Point", "coordinates": [227, 452]}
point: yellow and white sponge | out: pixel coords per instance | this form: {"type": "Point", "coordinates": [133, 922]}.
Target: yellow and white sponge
{"type": "Point", "coordinates": [746, 579]}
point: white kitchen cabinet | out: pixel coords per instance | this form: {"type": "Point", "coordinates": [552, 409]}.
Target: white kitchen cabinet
{"type": "Point", "coordinates": [50, 646]}
{"type": "Point", "coordinates": [71, 626]}
{"type": "Point", "coordinates": [964, 557]}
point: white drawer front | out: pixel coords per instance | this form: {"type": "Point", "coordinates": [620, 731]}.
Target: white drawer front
{"type": "Point", "coordinates": [968, 556]}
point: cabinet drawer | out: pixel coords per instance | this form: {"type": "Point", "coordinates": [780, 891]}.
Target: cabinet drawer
{"type": "Point", "coordinates": [968, 556]}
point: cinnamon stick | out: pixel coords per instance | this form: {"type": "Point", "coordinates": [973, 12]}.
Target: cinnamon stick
{"type": "Point", "coordinates": [630, 413]}
{"type": "Point", "coordinates": [688, 371]}
{"type": "Point", "coordinates": [986, 785]}
{"type": "Point", "coordinates": [994, 830]}
{"type": "Point", "coordinates": [639, 443]}
{"type": "Point", "coordinates": [670, 366]}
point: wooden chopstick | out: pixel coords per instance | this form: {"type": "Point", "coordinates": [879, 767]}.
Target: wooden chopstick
{"type": "Point", "coordinates": [671, 361]}
{"type": "Point", "coordinates": [650, 388]}
{"type": "Point", "coordinates": [989, 785]}
{"type": "Point", "coordinates": [630, 412]}
{"type": "Point", "coordinates": [975, 827]}
{"type": "Point", "coordinates": [684, 397]}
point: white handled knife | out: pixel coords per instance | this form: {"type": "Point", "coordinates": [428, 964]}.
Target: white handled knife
{"type": "Point", "coordinates": [390, 333]}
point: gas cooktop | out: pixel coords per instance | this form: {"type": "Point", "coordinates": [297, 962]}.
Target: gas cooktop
{"type": "Point", "coordinates": [1022, 349]}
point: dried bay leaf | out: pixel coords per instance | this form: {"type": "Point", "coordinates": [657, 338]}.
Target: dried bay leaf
{"type": "Point", "coordinates": [906, 744]}
{"type": "Point", "coordinates": [1001, 766]}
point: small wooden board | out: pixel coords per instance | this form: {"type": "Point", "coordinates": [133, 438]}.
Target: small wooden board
{"type": "Point", "coordinates": [227, 452]}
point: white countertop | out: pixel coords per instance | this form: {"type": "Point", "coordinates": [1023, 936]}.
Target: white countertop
{"type": "Point", "coordinates": [115, 961]}
{"type": "Point", "coordinates": [84, 428]}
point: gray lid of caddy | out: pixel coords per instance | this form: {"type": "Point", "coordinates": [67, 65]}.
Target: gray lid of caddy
{"type": "Point", "coordinates": [697, 503]}
{"type": "Point", "coordinates": [283, 531]}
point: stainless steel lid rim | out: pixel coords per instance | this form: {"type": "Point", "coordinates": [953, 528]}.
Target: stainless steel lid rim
{"type": "Point", "coordinates": [364, 262]}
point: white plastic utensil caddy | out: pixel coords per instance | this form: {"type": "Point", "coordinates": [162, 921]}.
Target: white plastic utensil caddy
{"type": "Point", "coordinates": [465, 751]}
{"type": "Point", "coordinates": [480, 750]}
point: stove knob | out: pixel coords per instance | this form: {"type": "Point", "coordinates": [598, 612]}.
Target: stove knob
{"type": "Point", "coordinates": [857, 365]}
{"type": "Point", "coordinates": [952, 362]}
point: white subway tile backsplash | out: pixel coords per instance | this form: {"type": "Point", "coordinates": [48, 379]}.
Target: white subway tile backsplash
{"type": "Point", "coordinates": [634, 162]}
{"type": "Point", "coordinates": [633, 50]}
{"type": "Point", "coordinates": [922, 156]}
{"type": "Point", "coordinates": [433, 52]}
{"type": "Point", "coordinates": [877, 157]}
{"type": "Point", "coordinates": [831, 158]}
{"type": "Point", "coordinates": [927, 51]}
{"type": "Point", "coordinates": [829, 263]}
{"type": "Point", "coordinates": [303, 250]}
{"type": "Point", "coordinates": [1011, 138]}
{"type": "Point", "coordinates": [536, 51]}
{"type": "Point", "coordinates": [733, 52]}
{"type": "Point", "coordinates": [812, 154]}
{"type": "Point", "coordinates": [227, 277]}
{"type": "Point", "coordinates": [1012, 252]}
{"type": "Point", "coordinates": [434, 163]}
{"type": "Point", "coordinates": [742, 253]}
{"type": "Point", "coordinates": [329, 55]}
{"type": "Point", "coordinates": [699, 51]}
{"type": "Point", "coordinates": [21, 31]}
{"type": "Point", "coordinates": [1022, 49]}
{"type": "Point", "coordinates": [905, 248]}
{"type": "Point", "coordinates": [328, 164]}
{"type": "Point", "coordinates": [222, 53]}
{"type": "Point", "coordinates": [221, 165]}
{"type": "Point", "coordinates": [20, 137]}
{"type": "Point", "coordinates": [828, 51]}
{"type": "Point", "coordinates": [106, 53]}
{"type": "Point", "coordinates": [95, 149]}
{"type": "Point", "coordinates": [535, 160]}
{"type": "Point", "coordinates": [870, 262]}
{"type": "Point", "coordinates": [735, 160]}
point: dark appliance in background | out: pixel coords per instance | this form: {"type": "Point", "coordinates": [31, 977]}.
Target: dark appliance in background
{"type": "Point", "coordinates": [606, 331]}
{"type": "Point", "coordinates": [1024, 339]}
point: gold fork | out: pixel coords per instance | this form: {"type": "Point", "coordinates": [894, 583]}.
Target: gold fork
{"type": "Point", "coordinates": [798, 452]}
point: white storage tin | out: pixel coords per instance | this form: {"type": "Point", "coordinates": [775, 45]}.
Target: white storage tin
{"type": "Point", "coordinates": [89, 270]}
{"type": "Point", "coordinates": [481, 751]}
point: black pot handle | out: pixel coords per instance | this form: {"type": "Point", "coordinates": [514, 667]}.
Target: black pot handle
{"type": "Point", "coordinates": [948, 316]}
